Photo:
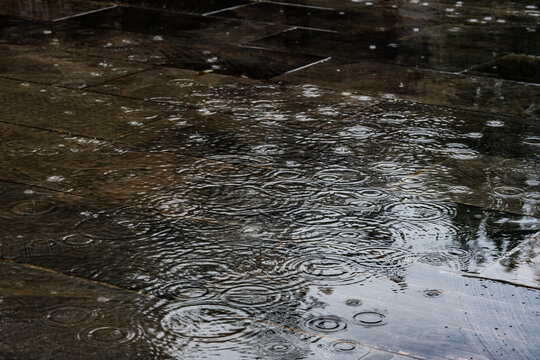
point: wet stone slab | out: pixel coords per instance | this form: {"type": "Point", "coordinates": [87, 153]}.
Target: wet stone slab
{"type": "Point", "coordinates": [75, 112]}
{"type": "Point", "coordinates": [33, 64]}
{"type": "Point", "coordinates": [489, 95]}
{"type": "Point", "coordinates": [52, 10]}
{"type": "Point", "coordinates": [204, 7]}
{"type": "Point", "coordinates": [356, 22]}
{"type": "Point", "coordinates": [512, 67]}
{"type": "Point", "coordinates": [385, 46]}
{"type": "Point", "coordinates": [191, 27]}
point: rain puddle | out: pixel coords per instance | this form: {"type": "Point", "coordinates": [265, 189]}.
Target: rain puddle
{"type": "Point", "coordinates": [259, 180]}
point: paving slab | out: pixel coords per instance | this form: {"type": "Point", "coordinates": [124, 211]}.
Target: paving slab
{"type": "Point", "coordinates": [51, 10]}
{"type": "Point", "coordinates": [185, 26]}
{"type": "Point", "coordinates": [460, 91]}
{"type": "Point", "coordinates": [512, 67]}
{"type": "Point", "coordinates": [385, 46]}
{"type": "Point", "coordinates": [185, 5]}
{"type": "Point", "coordinates": [351, 22]}
{"type": "Point", "coordinates": [28, 63]}
{"type": "Point", "coordinates": [75, 112]}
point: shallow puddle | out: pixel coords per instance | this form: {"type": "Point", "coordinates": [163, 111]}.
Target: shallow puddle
{"type": "Point", "coordinates": [260, 180]}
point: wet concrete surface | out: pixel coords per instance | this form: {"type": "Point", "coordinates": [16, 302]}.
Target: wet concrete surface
{"type": "Point", "coordinates": [269, 180]}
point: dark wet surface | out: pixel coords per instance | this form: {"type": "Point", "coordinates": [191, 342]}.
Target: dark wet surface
{"type": "Point", "coordinates": [262, 180]}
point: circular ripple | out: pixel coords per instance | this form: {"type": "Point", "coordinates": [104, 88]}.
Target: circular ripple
{"type": "Point", "coordinates": [389, 168]}
{"type": "Point", "coordinates": [341, 176]}
{"type": "Point", "coordinates": [370, 318]}
{"type": "Point", "coordinates": [206, 322]}
{"type": "Point", "coordinates": [268, 149]}
{"type": "Point", "coordinates": [182, 291]}
{"type": "Point", "coordinates": [357, 131]}
{"type": "Point", "coordinates": [110, 335]}
{"type": "Point", "coordinates": [32, 207]}
{"type": "Point", "coordinates": [244, 200]}
{"type": "Point", "coordinates": [316, 216]}
{"type": "Point", "coordinates": [199, 270]}
{"type": "Point", "coordinates": [532, 197]}
{"type": "Point", "coordinates": [421, 211]}
{"type": "Point", "coordinates": [454, 258]}
{"type": "Point", "coordinates": [43, 244]}
{"type": "Point", "coordinates": [78, 240]}
{"type": "Point", "coordinates": [296, 189]}
{"type": "Point", "coordinates": [251, 296]}
{"type": "Point", "coordinates": [383, 257]}
{"type": "Point", "coordinates": [372, 193]}
{"type": "Point", "coordinates": [325, 271]}
{"type": "Point", "coordinates": [344, 198]}
{"type": "Point", "coordinates": [173, 206]}
{"type": "Point", "coordinates": [326, 324]}
{"type": "Point", "coordinates": [420, 136]}
{"type": "Point", "coordinates": [342, 346]}
{"type": "Point", "coordinates": [507, 191]}
{"type": "Point", "coordinates": [67, 316]}
{"type": "Point", "coordinates": [532, 140]}
{"type": "Point", "coordinates": [432, 293]}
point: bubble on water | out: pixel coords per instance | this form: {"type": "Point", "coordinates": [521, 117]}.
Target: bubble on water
{"type": "Point", "coordinates": [326, 324]}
